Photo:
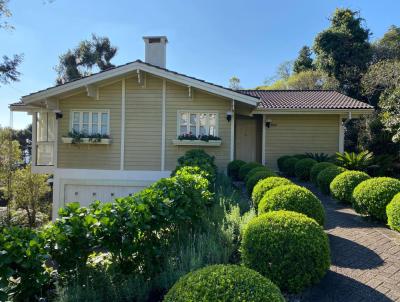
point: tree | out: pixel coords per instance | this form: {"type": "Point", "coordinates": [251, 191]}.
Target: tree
{"type": "Point", "coordinates": [388, 47]}
{"type": "Point", "coordinates": [390, 105]}
{"type": "Point", "coordinates": [29, 192]}
{"type": "Point", "coordinates": [234, 83]}
{"type": "Point", "coordinates": [24, 138]}
{"type": "Point", "coordinates": [8, 67]}
{"type": "Point", "coordinates": [343, 50]}
{"type": "Point", "coordinates": [77, 63]}
{"type": "Point", "coordinates": [284, 70]}
{"type": "Point", "coordinates": [304, 61]}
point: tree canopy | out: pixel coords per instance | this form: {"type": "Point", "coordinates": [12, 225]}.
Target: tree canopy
{"type": "Point", "coordinates": [304, 61]}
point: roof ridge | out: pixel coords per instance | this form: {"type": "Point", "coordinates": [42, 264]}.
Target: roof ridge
{"type": "Point", "coordinates": [288, 90]}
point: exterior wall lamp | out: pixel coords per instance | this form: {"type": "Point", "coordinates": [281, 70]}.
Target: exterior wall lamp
{"type": "Point", "coordinates": [229, 116]}
{"type": "Point", "coordinates": [268, 123]}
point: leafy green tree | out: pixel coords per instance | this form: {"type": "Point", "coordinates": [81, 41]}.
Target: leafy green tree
{"type": "Point", "coordinates": [284, 70]}
{"type": "Point", "coordinates": [304, 61]}
{"type": "Point", "coordinates": [388, 47]}
{"type": "Point", "coordinates": [78, 62]}
{"type": "Point", "coordinates": [390, 105]}
{"type": "Point", "coordinates": [234, 83]}
{"type": "Point", "coordinates": [343, 50]}
{"type": "Point", "coordinates": [24, 138]}
{"type": "Point", "coordinates": [29, 191]}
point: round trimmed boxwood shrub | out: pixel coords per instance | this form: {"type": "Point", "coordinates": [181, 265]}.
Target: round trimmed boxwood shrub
{"type": "Point", "coordinates": [326, 176]}
{"type": "Point", "coordinates": [342, 186]}
{"type": "Point", "coordinates": [303, 168]}
{"type": "Point", "coordinates": [393, 213]}
{"type": "Point", "coordinates": [373, 195]}
{"type": "Point", "coordinates": [225, 283]}
{"type": "Point", "coordinates": [293, 198]}
{"type": "Point", "coordinates": [252, 181]}
{"type": "Point", "coordinates": [288, 165]}
{"type": "Point", "coordinates": [301, 156]}
{"type": "Point", "coordinates": [281, 160]}
{"type": "Point", "coordinates": [317, 168]}
{"type": "Point", "coordinates": [254, 171]}
{"type": "Point", "coordinates": [233, 168]}
{"type": "Point", "coordinates": [246, 168]}
{"type": "Point", "coordinates": [289, 248]}
{"type": "Point", "coordinates": [263, 186]}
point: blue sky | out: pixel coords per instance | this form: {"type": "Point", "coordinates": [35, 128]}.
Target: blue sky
{"type": "Point", "coordinates": [208, 39]}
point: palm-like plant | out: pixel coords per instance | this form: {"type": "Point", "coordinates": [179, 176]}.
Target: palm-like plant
{"type": "Point", "coordinates": [355, 161]}
{"type": "Point", "coordinates": [319, 157]}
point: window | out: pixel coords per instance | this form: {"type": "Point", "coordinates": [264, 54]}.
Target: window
{"type": "Point", "coordinates": [197, 123]}
{"type": "Point", "coordinates": [45, 138]}
{"type": "Point", "coordinates": [91, 122]}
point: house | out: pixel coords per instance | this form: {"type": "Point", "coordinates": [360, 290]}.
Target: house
{"type": "Point", "coordinates": [136, 113]}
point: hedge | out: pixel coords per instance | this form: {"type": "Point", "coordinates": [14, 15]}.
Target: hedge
{"type": "Point", "coordinates": [303, 168]}
{"type": "Point", "coordinates": [373, 195]}
{"type": "Point", "coordinates": [253, 180]}
{"type": "Point", "coordinates": [342, 186]}
{"type": "Point", "coordinates": [233, 168]}
{"type": "Point", "coordinates": [263, 186]}
{"type": "Point", "coordinates": [254, 171]}
{"type": "Point", "coordinates": [326, 176]}
{"type": "Point", "coordinates": [288, 166]}
{"type": "Point", "coordinates": [293, 198]}
{"type": "Point", "coordinates": [246, 168]}
{"type": "Point", "coordinates": [317, 168]}
{"type": "Point", "coordinates": [225, 283]}
{"type": "Point", "coordinates": [393, 213]}
{"type": "Point", "coordinates": [289, 248]}
{"type": "Point", "coordinates": [281, 160]}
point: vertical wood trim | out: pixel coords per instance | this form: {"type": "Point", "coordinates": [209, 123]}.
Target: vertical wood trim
{"type": "Point", "coordinates": [341, 135]}
{"type": "Point", "coordinates": [163, 126]}
{"type": "Point", "coordinates": [55, 148]}
{"type": "Point", "coordinates": [123, 99]}
{"type": "Point", "coordinates": [263, 140]}
{"type": "Point", "coordinates": [232, 153]}
{"type": "Point", "coordinates": [34, 137]}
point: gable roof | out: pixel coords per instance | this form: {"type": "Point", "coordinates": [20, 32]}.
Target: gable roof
{"type": "Point", "coordinates": [305, 99]}
{"type": "Point", "coordinates": [146, 67]}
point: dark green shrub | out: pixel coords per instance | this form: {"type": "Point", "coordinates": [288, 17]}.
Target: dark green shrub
{"type": "Point", "coordinates": [252, 181]}
{"type": "Point", "coordinates": [373, 195]}
{"type": "Point", "coordinates": [233, 168]}
{"type": "Point", "coordinates": [300, 156]}
{"type": "Point", "coordinates": [281, 160]}
{"type": "Point", "coordinates": [225, 283]}
{"type": "Point", "coordinates": [326, 176]}
{"type": "Point", "coordinates": [288, 166]}
{"type": "Point", "coordinates": [254, 171]}
{"type": "Point", "coordinates": [246, 168]}
{"type": "Point", "coordinates": [319, 157]}
{"type": "Point", "coordinates": [198, 158]}
{"type": "Point", "coordinates": [303, 168]}
{"type": "Point", "coordinates": [263, 186]}
{"type": "Point", "coordinates": [354, 161]}
{"type": "Point", "coordinates": [393, 213]}
{"type": "Point", "coordinates": [287, 247]}
{"type": "Point", "coordinates": [342, 186]}
{"type": "Point", "coordinates": [293, 198]}
{"type": "Point", "coordinates": [317, 168]}
{"type": "Point", "coordinates": [22, 276]}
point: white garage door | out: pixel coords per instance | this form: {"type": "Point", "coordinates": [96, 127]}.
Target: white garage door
{"type": "Point", "coordinates": [85, 194]}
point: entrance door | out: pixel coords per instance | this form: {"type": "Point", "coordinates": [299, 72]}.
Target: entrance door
{"type": "Point", "coordinates": [246, 139]}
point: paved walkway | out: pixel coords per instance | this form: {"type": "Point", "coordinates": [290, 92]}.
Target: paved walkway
{"type": "Point", "coordinates": [365, 258]}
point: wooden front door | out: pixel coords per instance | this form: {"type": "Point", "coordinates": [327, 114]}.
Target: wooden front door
{"type": "Point", "coordinates": [246, 139]}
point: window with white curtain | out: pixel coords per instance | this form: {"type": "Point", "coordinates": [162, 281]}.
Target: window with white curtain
{"type": "Point", "coordinates": [197, 123]}
{"type": "Point", "coordinates": [90, 122]}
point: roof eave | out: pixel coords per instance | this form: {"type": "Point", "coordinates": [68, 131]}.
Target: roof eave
{"type": "Point", "coordinates": [356, 111]}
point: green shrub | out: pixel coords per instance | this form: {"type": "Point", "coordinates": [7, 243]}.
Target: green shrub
{"type": "Point", "coordinates": [287, 247]}
{"type": "Point", "coordinates": [393, 213]}
{"type": "Point", "coordinates": [326, 176]}
{"type": "Point", "coordinates": [373, 195]}
{"type": "Point", "coordinates": [252, 181]}
{"type": "Point", "coordinates": [354, 161]}
{"type": "Point", "coordinates": [254, 171]}
{"type": "Point", "coordinates": [281, 160]}
{"type": "Point", "coordinates": [317, 168]}
{"type": "Point", "coordinates": [293, 198]}
{"type": "Point", "coordinates": [225, 283]}
{"type": "Point", "coordinates": [319, 157]}
{"type": "Point", "coordinates": [22, 276]}
{"type": "Point", "coordinates": [303, 168]}
{"type": "Point", "coordinates": [246, 168]}
{"type": "Point", "coordinates": [233, 168]}
{"type": "Point", "coordinates": [263, 186]}
{"type": "Point", "coordinates": [300, 156]}
{"type": "Point", "coordinates": [288, 166]}
{"type": "Point", "coordinates": [342, 186]}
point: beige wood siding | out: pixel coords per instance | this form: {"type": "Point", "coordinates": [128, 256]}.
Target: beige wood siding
{"type": "Point", "coordinates": [178, 99]}
{"type": "Point", "coordinates": [86, 156]}
{"type": "Point", "coordinates": [294, 134]}
{"type": "Point", "coordinates": [143, 124]}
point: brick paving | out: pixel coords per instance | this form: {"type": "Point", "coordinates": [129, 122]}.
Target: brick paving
{"type": "Point", "coordinates": [365, 258]}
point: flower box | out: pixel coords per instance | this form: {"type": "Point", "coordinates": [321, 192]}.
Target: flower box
{"type": "Point", "coordinates": [196, 142]}
{"type": "Point", "coordinates": [103, 141]}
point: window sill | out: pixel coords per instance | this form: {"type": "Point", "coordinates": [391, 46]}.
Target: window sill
{"type": "Point", "coordinates": [103, 141]}
{"type": "Point", "coordinates": [184, 142]}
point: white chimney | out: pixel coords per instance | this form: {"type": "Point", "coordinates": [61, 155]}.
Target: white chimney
{"type": "Point", "coordinates": [156, 50]}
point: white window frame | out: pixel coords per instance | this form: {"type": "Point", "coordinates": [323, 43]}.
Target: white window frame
{"type": "Point", "coordinates": [90, 111]}
{"type": "Point", "coordinates": [198, 112]}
